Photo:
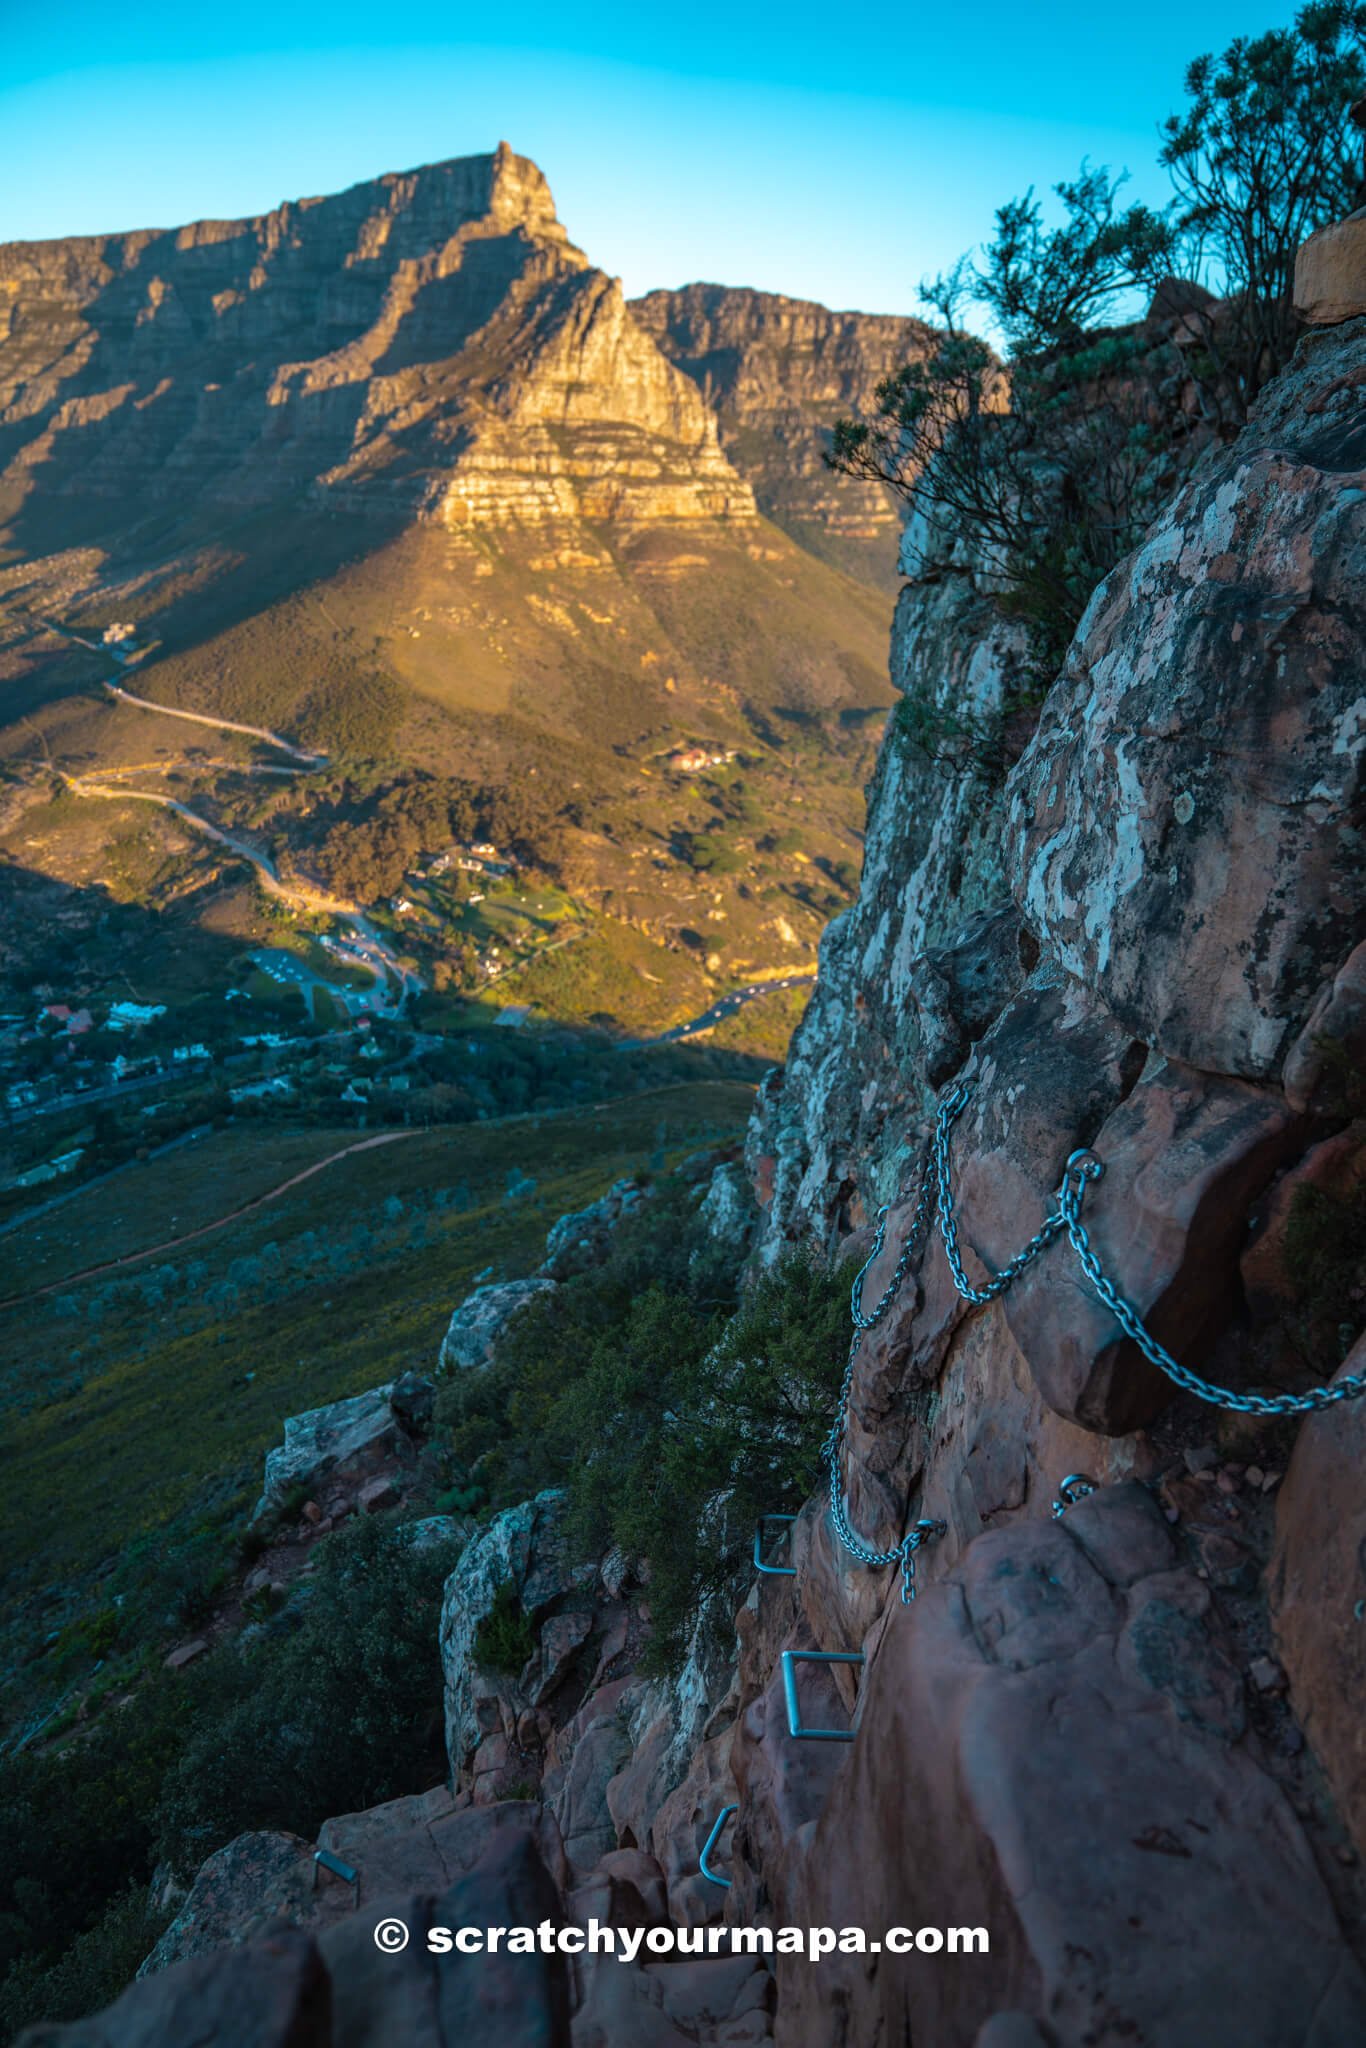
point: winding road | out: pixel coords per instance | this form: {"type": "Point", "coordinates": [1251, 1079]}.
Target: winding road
{"type": "Point", "coordinates": [302, 755]}
{"type": "Point", "coordinates": [373, 951]}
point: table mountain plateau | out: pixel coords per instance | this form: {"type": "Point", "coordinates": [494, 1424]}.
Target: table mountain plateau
{"type": "Point", "coordinates": [400, 474]}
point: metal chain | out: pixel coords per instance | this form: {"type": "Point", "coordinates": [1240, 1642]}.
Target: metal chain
{"type": "Point", "coordinates": [936, 1192]}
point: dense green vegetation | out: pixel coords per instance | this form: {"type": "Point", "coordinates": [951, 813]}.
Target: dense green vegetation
{"type": "Point", "coordinates": [333, 1705]}
{"type": "Point", "coordinates": [675, 1409]}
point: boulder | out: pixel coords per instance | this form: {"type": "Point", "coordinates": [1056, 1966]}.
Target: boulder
{"type": "Point", "coordinates": [1052, 1747]}
{"type": "Point", "coordinates": [1185, 1155]}
{"type": "Point", "coordinates": [1184, 829]}
{"type": "Point", "coordinates": [582, 1240]}
{"type": "Point", "coordinates": [728, 1208]}
{"type": "Point", "coordinates": [1330, 273]}
{"type": "Point", "coordinates": [1317, 1587]}
{"type": "Point", "coordinates": [350, 1438]}
{"type": "Point", "coordinates": [1325, 1069]}
{"type": "Point", "coordinates": [240, 1891]}
{"type": "Point", "coordinates": [522, 1549]}
{"type": "Point", "coordinates": [475, 1327]}
{"type": "Point", "coordinates": [275, 1994]}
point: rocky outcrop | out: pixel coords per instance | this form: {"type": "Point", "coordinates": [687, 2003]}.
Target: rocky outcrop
{"type": "Point", "coordinates": [1102, 986]}
{"type": "Point", "coordinates": [778, 373]}
{"type": "Point", "coordinates": [355, 348]}
{"type": "Point", "coordinates": [925, 958]}
{"type": "Point", "coordinates": [1330, 273]}
{"type": "Point", "coordinates": [349, 1441]}
{"type": "Point", "coordinates": [480, 1320]}
{"type": "Point", "coordinates": [1168, 1895]}
{"type": "Point", "coordinates": [583, 1239]}
{"type": "Point", "coordinates": [1185, 829]}
{"type": "Point", "coordinates": [1318, 1593]}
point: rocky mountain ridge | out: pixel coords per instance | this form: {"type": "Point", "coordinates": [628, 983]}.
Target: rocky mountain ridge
{"type": "Point", "coordinates": [432, 338]}
{"type": "Point", "coordinates": [1114, 1728]}
{"type": "Point", "coordinates": [779, 372]}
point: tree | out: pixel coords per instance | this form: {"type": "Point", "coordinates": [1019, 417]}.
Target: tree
{"type": "Point", "coordinates": [1265, 153]}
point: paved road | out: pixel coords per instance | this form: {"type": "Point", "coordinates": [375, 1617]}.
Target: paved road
{"type": "Point", "coordinates": [725, 1006]}
{"type": "Point", "coordinates": [372, 950]}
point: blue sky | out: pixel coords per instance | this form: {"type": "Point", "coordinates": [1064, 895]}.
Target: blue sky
{"type": "Point", "coordinates": [837, 152]}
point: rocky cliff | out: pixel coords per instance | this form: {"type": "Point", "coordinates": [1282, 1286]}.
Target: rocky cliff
{"type": "Point", "coordinates": [778, 372]}
{"type": "Point", "coordinates": [1116, 1727]}
{"type": "Point", "coordinates": [432, 338]}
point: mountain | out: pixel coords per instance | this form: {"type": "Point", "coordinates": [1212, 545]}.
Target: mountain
{"type": "Point", "coordinates": [778, 372]}
{"type": "Point", "coordinates": [399, 476]}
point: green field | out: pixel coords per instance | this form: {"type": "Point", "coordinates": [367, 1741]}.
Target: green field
{"type": "Point", "coordinates": [141, 1403]}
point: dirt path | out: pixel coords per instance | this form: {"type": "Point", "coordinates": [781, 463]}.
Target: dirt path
{"type": "Point", "coordinates": [205, 1229]}
{"type": "Point", "coordinates": [255, 732]}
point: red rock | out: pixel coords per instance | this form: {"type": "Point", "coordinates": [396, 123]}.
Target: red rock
{"type": "Point", "coordinates": [1052, 1747]}
{"type": "Point", "coordinates": [377, 1493]}
{"type": "Point", "coordinates": [273, 1995]}
{"type": "Point", "coordinates": [311, 1512]}
{"type": "Point", "coordinates": [1328, 1059]}
{"type": "Point", "coordinates": [1330, 273]}
{"type": "Point", "coordinates": [1185, 1156]}
{"type": "Point", "coordinates": [1315, 1585]}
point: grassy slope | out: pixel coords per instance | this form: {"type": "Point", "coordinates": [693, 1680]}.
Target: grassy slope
{"type": "Point", "coordinates": [129, 1423]}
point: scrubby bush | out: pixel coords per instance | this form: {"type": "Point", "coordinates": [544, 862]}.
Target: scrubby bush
{"type": "Point", "coordinates": [337, 1705]}
{"type": "Point", "coordinates": [672, 1411]}
{"type": "Point", "coordinates": [1051, 462]}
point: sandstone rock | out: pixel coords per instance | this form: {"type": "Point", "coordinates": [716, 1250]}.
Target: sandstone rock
{"type": "Point", "coordinates": [1335, 1168]}
{"type": "Point", "coordinates": [346, 323]}
{"type": "Point", "coordinates": [238, 1894]}
{"type": "Point", "coordinates": [835, 1132]}
{"type": "Point", "coordinates": [1326, 1065]}
{"type": "Point", "coordinates": [377, 1494]}
{"type": "Point", "coordinates": [1184, 828]}
{"type": "Point", "coordinates": [520, 1548]}
{"type": "Point", "coordinates": [1330, 273]}
{"type": "Point", "coordinates": [728, 1208]}
{"type": "Point", "coordinates": [582, 1240]}
{"type": "Point", "coordinates": [1168, 1895]}
{"type": "Point", "coordinates": [778, 370]}
{"type": "Point", "coordinates": [561, 1637]}
{"type": "Point", "coordinates": [344, 1437]}
{"type": "Point", "coordinates": [413, 1400]}
{"type": "Point", "coordinates": [1185, 1158]}
{"type": "Point", "coordinates": [480, 1320]}
{"type": "Point", "coordinates": [1317, 1584]}
{"type": "Point", "coordinates": [276, 1995]}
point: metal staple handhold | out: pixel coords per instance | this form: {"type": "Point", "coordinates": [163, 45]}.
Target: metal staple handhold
{"type": "Point", "coordinates": [323, 1859]}
{"type": "Point", "coordinates": [790, 1660]}
{"type": "Point", "coordinates": [712, 1839]}
{"type": "Point", "coordinates": [774, 1571]}
{"type": "Point", "coordinates": [1075, 1487]}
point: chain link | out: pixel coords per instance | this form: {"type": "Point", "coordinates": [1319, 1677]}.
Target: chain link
{"type": "Point", "coordinates": [935, 1193]}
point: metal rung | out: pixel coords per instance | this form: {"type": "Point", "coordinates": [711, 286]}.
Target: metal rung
{"type": "Point", "coordinates": [791, 1659]}
{"type": "Point", "coordinates": [323, 1859]}
{"type": "Point", "coordinates": [712, 1839]}
{"type": "Point", "coordinates": [775, 1571]}
{"type": "Point", "coordinates": [1075, 1487]}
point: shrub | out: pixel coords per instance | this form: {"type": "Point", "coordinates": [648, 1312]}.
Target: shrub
{"type": "Point", "coordinates": [1052, 465]}
{"type": "Point", "coordinates": [504, 1639]}
{"type": "Point", "coordinates": [673, 1416]}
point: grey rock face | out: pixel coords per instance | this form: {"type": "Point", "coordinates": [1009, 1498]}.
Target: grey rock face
{"type": "Point", "coordinates": [480, 1320]}
{"type": "Point", "coordinates": [833, 1133]}
{"type": "Point", "coordinates": [344, 1435]}
{"type": "Point", "coordinates": [1185, 830]}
